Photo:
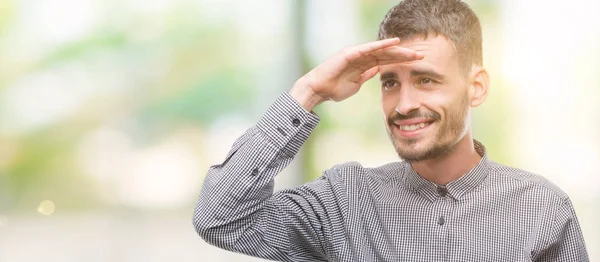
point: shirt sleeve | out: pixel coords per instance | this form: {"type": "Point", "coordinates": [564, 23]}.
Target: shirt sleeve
{"type": "Point", "coordinates": [564, 240]}
{"type": "Point", "coordinates": [237, 209]}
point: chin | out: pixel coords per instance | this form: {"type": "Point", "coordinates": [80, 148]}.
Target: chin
{"type": "Point", "coordinates": [411, 149]}
{"type": "Point", "coordinates": [413, 156]}
{"type": "Point", "coordinates": [420, 149]}
{"type": "Point", "coordinates": [416, 144]}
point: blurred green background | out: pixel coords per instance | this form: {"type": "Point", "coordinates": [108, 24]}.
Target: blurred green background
{"type": "Point", "coordinates": [112, 111]}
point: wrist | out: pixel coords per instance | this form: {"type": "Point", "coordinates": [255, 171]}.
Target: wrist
{"type": "Point", "coordinates": [304, 95]}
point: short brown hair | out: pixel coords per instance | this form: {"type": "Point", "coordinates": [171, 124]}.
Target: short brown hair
{"type": "Point", "coordinates": [450, 18]}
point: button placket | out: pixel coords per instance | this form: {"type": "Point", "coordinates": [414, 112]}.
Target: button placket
{"type": "Point", "coordinates": [439, 222]}
{"type": "Point", "coordinates": [445, 209]}
{"type": "Point", "coordinates": [441, 219]}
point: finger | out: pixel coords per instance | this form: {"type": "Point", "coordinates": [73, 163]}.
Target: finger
{"type": "Point", "coordinates": [397, 53]}
{"type": "Point", "coordinates": [363, 64]}
{"type": "Point", "coordinates": [356, 52]}
{"type": "Point", "coordinates": [367, 48]}
{"type": "Point", "coordinates": [390, 55]}
{"type": "Point", "coordinates": [368, 75]}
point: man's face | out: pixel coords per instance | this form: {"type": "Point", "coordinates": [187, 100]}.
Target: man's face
{"type": "Point", "coordinates": [426, 102]}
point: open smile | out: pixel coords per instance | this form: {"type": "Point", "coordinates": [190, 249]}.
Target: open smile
{"type": "Point", "coordinates": [412, 129]}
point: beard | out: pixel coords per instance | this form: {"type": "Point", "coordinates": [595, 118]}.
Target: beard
{"type": "Point", "coordinates": [448, 133]}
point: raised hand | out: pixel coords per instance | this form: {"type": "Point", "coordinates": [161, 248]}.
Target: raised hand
{"type": "Point", "coordinates": [342, 75]}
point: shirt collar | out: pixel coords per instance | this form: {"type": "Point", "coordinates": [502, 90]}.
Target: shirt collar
{"type": "Point", "coordinates": [457, 188]}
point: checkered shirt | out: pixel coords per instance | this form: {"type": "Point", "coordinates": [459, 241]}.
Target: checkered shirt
{"type": "Point", "coordinates": [388, 213]}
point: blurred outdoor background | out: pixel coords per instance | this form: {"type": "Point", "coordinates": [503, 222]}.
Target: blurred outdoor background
{"type": "Point", "coordinates": [111, 111]}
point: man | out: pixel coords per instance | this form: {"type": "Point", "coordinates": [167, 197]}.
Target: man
{"type": "Point", "coordinates": [445, 202]}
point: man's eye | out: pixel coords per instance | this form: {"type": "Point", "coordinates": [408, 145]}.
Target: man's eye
{"type": "Point", "coordinates": [426, 81]}
{"type": "Point", "coordinates": [389, 84]}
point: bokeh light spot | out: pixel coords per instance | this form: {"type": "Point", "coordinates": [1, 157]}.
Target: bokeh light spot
{"type": "Point", "coordinates": [46, 208]}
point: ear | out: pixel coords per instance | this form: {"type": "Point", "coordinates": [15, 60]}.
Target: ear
{"type": "Point", "coordinates": [479, 86]}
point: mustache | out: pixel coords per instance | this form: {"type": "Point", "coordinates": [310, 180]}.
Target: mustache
{"type": "Point", "coordinates": [412, 114]}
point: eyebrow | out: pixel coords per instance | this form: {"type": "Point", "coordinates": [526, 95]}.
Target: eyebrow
{"type": "Point", "coordinates": [426, 72]}
{"type": "Point", "coordinates": [388, 75]}
{"type": "Point", "coordinates": [413, 73]}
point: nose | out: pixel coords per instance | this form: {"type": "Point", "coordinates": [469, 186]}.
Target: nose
{"type": "Point", "coordinates": [407, 101]}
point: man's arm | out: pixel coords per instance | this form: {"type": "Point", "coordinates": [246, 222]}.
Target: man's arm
{"type": "Point", "coordinates": [237, 209]}
{"type": "Point", "coordinates": [564, 239]}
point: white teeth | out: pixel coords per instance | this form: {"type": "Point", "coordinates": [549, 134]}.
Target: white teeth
{"type": "Point", "coordinates": [412, 127]}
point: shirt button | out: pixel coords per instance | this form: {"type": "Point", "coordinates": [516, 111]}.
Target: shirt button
{"type": "Point", "coordinates": [441, 221]}
{"type": "Point", "coordinates": [296, 122]}
{"type": "Point", "coordinates": [442, 191]}
{"type": "Point", "coordinates": [254, 172]}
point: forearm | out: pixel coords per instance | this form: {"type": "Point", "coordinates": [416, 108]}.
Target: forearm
{"type": "Point", "coordinates": [236, 190]}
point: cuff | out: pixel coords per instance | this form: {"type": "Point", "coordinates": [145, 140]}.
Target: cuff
{"type": "Point", "coordinates": [287, 124]}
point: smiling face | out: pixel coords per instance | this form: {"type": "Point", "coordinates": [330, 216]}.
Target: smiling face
{"type": "Point", "coordinates": [427, 102]}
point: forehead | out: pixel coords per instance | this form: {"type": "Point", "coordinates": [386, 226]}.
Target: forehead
{"type": "Point", "coordinates": [438, 51]}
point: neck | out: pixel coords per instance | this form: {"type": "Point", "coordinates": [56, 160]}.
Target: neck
{"type": "Point", "coordinates": [447, 168]}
